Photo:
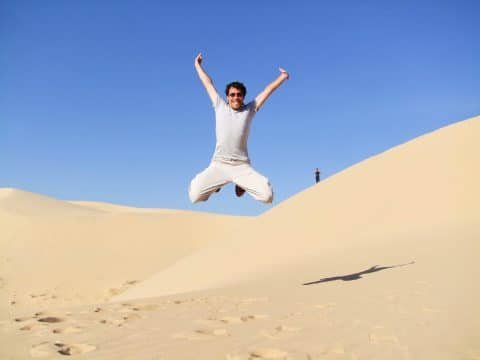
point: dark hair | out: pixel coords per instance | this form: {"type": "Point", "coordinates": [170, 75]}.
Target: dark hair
{"type": "Point", "coordinates": [237, 85]}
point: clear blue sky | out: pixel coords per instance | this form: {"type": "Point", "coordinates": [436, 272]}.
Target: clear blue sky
{"type": "Point", "coordinates": [99, 100]}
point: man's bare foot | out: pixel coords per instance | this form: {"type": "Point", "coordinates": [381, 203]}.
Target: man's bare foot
{"type": "Point", "coordinates": [239, 191]}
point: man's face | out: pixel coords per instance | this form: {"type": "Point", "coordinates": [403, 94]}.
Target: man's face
{"type": "Point", "coordinates": [235, 98]}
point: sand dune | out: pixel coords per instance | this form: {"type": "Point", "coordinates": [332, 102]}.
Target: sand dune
{"type": "Point", "coordinates": [70, 253]}
{"type": "Point", "coordinates": [22, 202]}
{"type": "Point", "coordinates": [376, 262]}
{"type": "Point", "coordinates": [407, 197]}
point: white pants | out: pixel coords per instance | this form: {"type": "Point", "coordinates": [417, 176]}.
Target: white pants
{"type": "Point", "coordinates": [218, 174]}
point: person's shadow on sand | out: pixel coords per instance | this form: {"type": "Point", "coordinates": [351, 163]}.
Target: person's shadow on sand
{"type": "Point", "coordinates": [358, 275]}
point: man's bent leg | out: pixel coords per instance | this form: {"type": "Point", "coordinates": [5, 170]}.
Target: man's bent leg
{"type": "Point", "coordinates": [206, 183]}
{"type": "Point", "coordinates": [257, 185]}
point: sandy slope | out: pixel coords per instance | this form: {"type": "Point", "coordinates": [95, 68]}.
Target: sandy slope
{"type": "Point", "coordinates": [56, 252]}
{"type": "Point", "coordinates": [376, 262]}
{"type": "Point", "coordinates": [398, 203]}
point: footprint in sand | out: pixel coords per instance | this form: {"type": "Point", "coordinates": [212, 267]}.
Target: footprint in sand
{"type": "Point", "coordinates": [213, 332]}
{"type": "Point", "coordinates": [33, 296]}
{"type": "Point", "coordinates": [131, 282]}
{"type": "Point", "coordinates": [74, 349]}
{"type": "Point", "coordinates": [131, 317]}
{"type": "Point", "coordinates": [46, 349]}
{"type": "Point", "coordinates": [284, 328]}
{"type": "Point", "coordinates": [278, 331]}
{"type": "Point", "coordinates": [184, 301]}
{"type": "Point", "coordinates": [33, 326]}
{"type": "Point", "coordinates": [29, 324]}
{"type": "Point", "coordinates": [121, 289]}
{"type": "Point", "coordinates": [113, 292]}
{"type": "Point", "coordinates": [240, 319]}
{"type": "Point", "coordinates": [127, 312]}
{"type": "Point", "coordinates": [115, 322]}
{"type": "Point", "coordinates": [22, 319]}
{"type": "Point", "coordinates": [268, 353]}
{"type": "Point", "coordinates": [50, 319]}
{"type": "Point", "coordinates": [128, 308]}
{"type": "Point", "coordinates": [67, 330]}
{"type": "Point", "coordinates": [332, 351]}
{"type": "Point", "coordinates": [39, 316]}
{"type": "Point", "coordinates": [125, 309]}
{"type": "Point", "coordinates": [126, 318]}
{"type": "Point", "coordinates": [201, 334]}
{"type": "Point", "coordinates": [145, 307]}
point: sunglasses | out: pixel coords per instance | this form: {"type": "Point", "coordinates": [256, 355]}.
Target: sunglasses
{"type": "Point", "coordinates": [232, 95]}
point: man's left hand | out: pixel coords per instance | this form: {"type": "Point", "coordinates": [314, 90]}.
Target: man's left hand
{"type": "Point", "coordinates": [284, 73]}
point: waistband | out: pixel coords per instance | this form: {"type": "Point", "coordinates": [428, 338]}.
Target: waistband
{"type": "Point", "coordinates": [230, 161]}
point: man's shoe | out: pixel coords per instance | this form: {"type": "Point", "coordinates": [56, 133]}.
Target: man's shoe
{"type": "Point", "coordinates": [239, 191]}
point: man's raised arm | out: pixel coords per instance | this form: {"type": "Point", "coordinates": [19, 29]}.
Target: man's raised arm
{"type": "Point", "coordinates": [206, 80]}
{"type": "Point", "coordinates": [260, 99]}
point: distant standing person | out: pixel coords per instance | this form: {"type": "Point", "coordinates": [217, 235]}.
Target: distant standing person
{"type": "Point", "coordinates": [230, 161]}
{"type": "Point", "coordinates": [317, 175]}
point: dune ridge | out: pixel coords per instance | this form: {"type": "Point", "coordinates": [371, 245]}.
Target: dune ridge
{"type": "Point", "coordinates": [109, 207]}
{"type": "Point", "coordinates": [23, 202]}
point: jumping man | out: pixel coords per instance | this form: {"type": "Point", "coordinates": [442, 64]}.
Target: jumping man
{"type": "Point", "coordinates": [230, 162]}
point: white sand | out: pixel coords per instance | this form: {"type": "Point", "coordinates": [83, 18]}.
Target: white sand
{"type": "Point", "coordinates": [388, 249]}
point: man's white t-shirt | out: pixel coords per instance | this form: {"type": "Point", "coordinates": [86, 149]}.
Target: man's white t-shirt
{"type": "Point", "coordinates": [232, 128]}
